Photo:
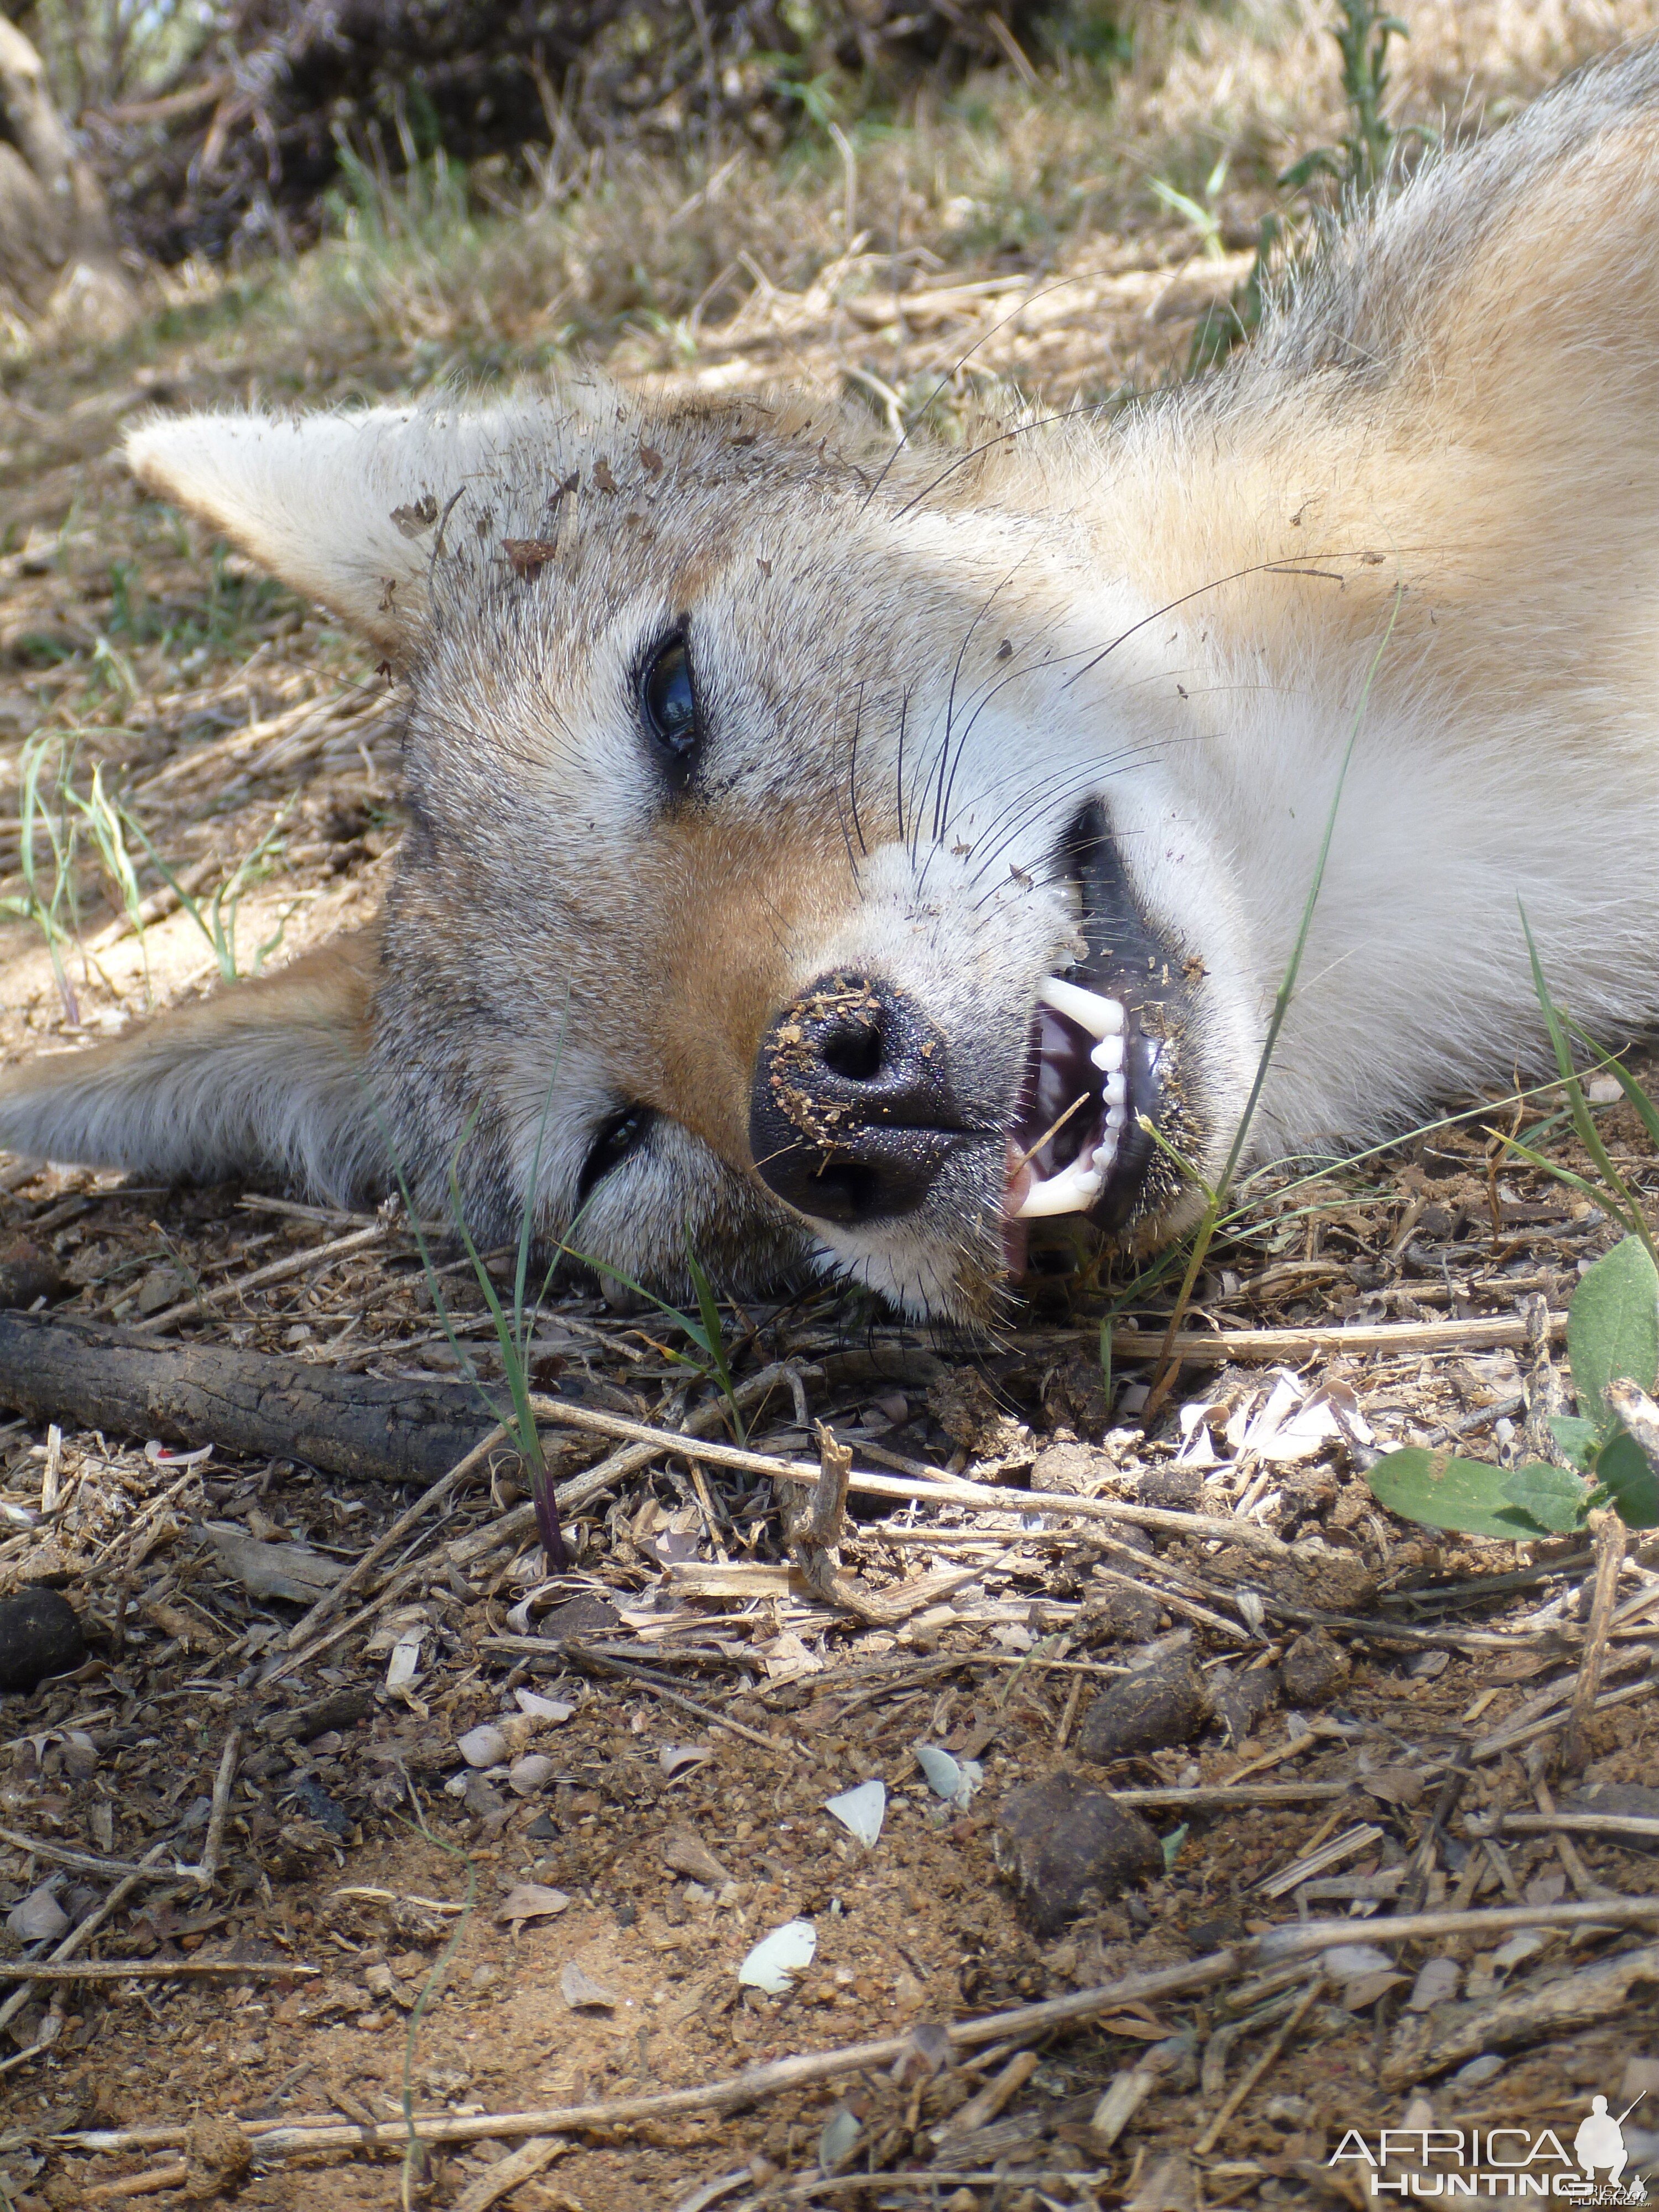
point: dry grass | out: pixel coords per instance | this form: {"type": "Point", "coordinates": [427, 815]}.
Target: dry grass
{"type": "Point", "coordinates": [223, 710]}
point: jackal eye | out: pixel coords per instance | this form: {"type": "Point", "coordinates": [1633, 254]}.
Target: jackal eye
{"type": "Point", "coordinates": [614, 1141]}
{"type": "Point", "coordinates": [668, 699]}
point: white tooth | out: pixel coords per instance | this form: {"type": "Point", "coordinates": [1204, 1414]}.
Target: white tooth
{"type": "Point", "coordinates": [1117, 1090]}
{"type": "Point", "coordinates": [1106, 1155]}
{"type": "Point", "coordinates": [1102, 1018]}
{"type": "Point", "coordinates": [1117, 1117]}
{"type": "Point", "coordinates": [1073, 1190]}
{"type": "Point", "coordinates": [1108, 1054]}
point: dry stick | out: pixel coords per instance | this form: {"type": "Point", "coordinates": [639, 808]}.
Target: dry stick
{"type": "Point", "coordinates": [947, 1491]}
{"type": "Point", "coordinates": [770, 2080]}
{"type": "Point", "coordinates": [572, 1496]}
{"type": "Point", "coordinates": [331, 1600]}
{"type": "Point", "coordinates": [1609, 1530]}
{"type": "Point", "coordinates": [89, 1861]}
{"type": "Point", "coordinates": [391, 1591]}
{"type": "Point", "coordinates": [152, 1970]}
{"type": "Point", "coordinates": [1211, 2135]}
{"type": "Point", "coordinates": [1296, 1941]}
{"type": "Point", "coordinates": [1583, 1881]}
{"type": "Point", "coordinates": [1025, 2023]}
{"type": "Point", "coordinates": [1636, 1825]}
{"type": "Point", "coordinates": [279, 1270]}
{"type": "Point", "coordinates": [1223, 1794]}
{"type": "Point", "coordinates": [82, 1933]}
{"type": "Point", "coordinates": [1214, 1347]}
{"type": "Point", "coordinates": [1177, 1603]}
{"type": "Point", "coordinates": [202, 1874]}
{"type": "Point", "coordinates": [139, 2185]}
{"type": "Point", "coordinates": [582, 1657]}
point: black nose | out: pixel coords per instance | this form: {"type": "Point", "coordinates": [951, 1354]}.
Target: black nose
{"type": "Point", "coordinates": [851, 1117]}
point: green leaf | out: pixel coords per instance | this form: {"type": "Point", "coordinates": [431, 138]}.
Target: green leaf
{"type": "Point", "coordinates": [1554, 1496]}
{"type": "Point", "coordinates": [1172, 1844]}
{"type": "Point", "coordinates": [1577, 1439]}
{"type": "Point", "coordinates": [1445, 1492]}
{"type": "Point", "coordinates": [1612, 1328]}
{"type": "Point", "coordinates": [1625, 1471]}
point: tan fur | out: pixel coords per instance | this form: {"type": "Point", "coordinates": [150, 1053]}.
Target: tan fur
{"type": "Point", "coordinates": [1419, 520]}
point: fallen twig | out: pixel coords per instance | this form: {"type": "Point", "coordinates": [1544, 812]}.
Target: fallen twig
{"type": "Point", "coordinates": [1594, 1993]}
{"type": "Point", "coordinates": [77, 1937]}
{"type": "Point", "coordinates": [770, 2080]}
{"type": "Point", "coordinates": [1547, 1824]}
{"type": "Point", "coordinates": [153, 1969]}
{"type": "Point", "coordinates": [1215, 1347]}
{"type": "Point", "coordinates": [1269, 2056]}
{"type": "Point", "coordinates": [331, 1600]}
{"type": "Point", "coordinates": [364, 1427]}
{"type": "Point", "coordinates": [1023, 2023]}
{"type": "Point", "coordinates": [279, 1270]}
{"type": "Point", "coordinates": [1223, 1794]}
{"type": "Point", "coordinates": [203, 1873]}
{"type": "Point", "coordinates": [1298, 1940]}
{"type": "Point", "coordinates": [947, 1491]}
{"type": "Point", "coordinates": [580, 1655]}
{"type": "Point", "coordinates": [89, 1861]}
{"type": "Point", "coordinates": [1608, 1531]}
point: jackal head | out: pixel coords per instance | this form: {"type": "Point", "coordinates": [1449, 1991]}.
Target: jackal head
{"type": "Point", "coordinates": [794, 871]}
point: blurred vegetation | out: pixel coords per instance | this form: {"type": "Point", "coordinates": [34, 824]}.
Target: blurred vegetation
{"type": "Point", "coordinates": [220, 130]}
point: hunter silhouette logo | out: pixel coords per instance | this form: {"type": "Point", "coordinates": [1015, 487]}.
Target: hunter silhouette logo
{"type": "Point", "coordinates": [1600, 2143]}
{"type": "Point", "coordinates": [1500, 2161]}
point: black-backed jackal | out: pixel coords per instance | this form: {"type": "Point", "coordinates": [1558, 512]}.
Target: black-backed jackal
{"type": "Point", "coordinates": [801, 829]}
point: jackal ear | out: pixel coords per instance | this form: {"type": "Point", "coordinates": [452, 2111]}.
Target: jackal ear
{"type": "Point", "coordinates": [269, 1077]}
{"type": "Point", "coordinates": [348, 508]}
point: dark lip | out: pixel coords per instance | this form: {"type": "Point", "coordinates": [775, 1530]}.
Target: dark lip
{"type": "Point", "coordinates": [1125, 960]}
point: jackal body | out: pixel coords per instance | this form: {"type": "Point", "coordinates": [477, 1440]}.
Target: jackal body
{"type": "Point", "coordinates": [797, 826]}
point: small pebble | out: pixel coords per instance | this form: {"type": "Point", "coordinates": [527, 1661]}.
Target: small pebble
{"type": "Point", "coordinates": [482, 1746]}
{"type": "Point", "coordinates": [531, 1773]}
{"type": "Point", "coordinates": [1068, 1849]}
{"type": "Point", "coordinates": [39, 1636]}
{"type": "Point", "coordinates": [1313, 1671]}
{"type": "Point", "coordinates": [1164, 1704]}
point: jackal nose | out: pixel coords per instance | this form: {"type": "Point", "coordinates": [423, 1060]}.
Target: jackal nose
{"type": "Point", "coordinates": [851, 1116]}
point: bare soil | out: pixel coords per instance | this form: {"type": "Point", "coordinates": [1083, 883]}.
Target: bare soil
{"type": "Point", "coordinates": [358, 1841]}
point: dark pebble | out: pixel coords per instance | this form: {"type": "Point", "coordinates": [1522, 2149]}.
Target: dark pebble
{"type": "Point", "coordinates": [1313, 1671]}
{"type": "Point", "coordinates": [39, 1635]}
{"type": "Point", "coordinates": [1240, 1699]}
{"type": "Point", "coordinates": [27, 1273]}
{"type": "Point", "coordinates": [1077, 1470]}
{"type": "Point", "coordinates": [1175, 1489]}
{"type": "Point", "coordinates": [1630, 1797]}
{"type": "Point", "coordinates": [1158, 1705]}
{"type": "Point", "coordinates": [579, 1617]}
{"type": "Point", "coordinates": [311, 1797]}
{"type": "Point", "coordinates": [1118, 1615]}
{"type": "Point", "coordinates": [1067, 1848]}
{"type": "Point", "coordinates": [341, 1709]}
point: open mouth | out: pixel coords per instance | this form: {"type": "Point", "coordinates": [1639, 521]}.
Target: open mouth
{"type": "Point", "coordinates": [1081, 1140]}
{"type": "Point", "coordinates": [1079, 1143]}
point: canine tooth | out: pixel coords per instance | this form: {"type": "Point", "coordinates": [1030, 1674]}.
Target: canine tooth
{"type": "Point", "coordinates": [1117, 1090]}
{"type": "Point", "coordinates": [1073, 1190]}
{"type": "Point", "coordinates": [1102, 1018]}
{"type": "Point", "coordinates": [1108, 1054]}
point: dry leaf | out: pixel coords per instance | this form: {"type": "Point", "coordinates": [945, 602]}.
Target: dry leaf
{"type": "Point", "coordinates": [530, 1900]}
